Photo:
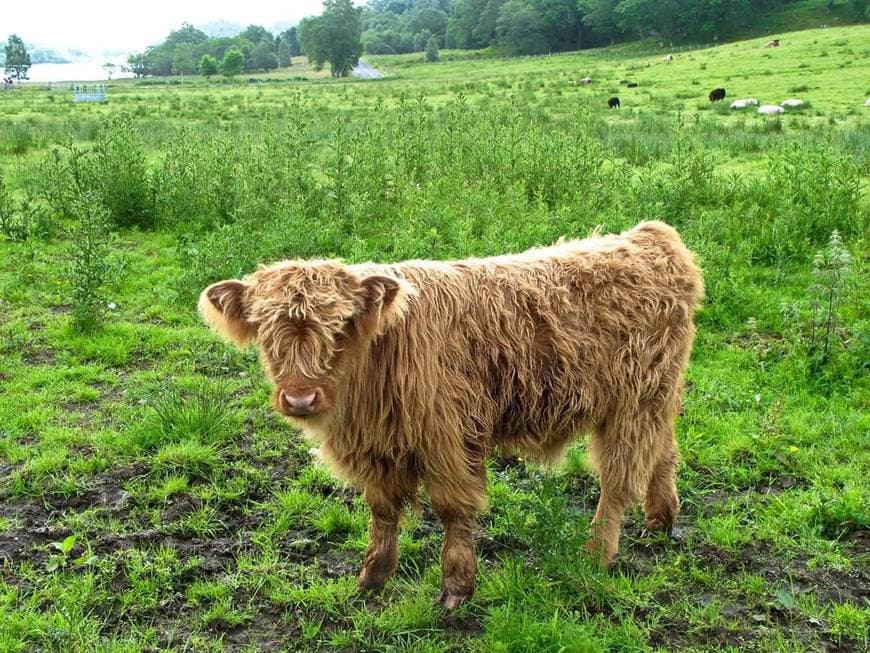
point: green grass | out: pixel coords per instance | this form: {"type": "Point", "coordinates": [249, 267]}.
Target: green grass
{"type": "Point", "coordinates": [200, 520]}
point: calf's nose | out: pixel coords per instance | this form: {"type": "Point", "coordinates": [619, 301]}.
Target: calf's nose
{"type": "Point", "coordinates": [299, 404]}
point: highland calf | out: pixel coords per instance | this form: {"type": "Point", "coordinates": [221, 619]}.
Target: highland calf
{"type": "Point", "coordinates": [412, 374]}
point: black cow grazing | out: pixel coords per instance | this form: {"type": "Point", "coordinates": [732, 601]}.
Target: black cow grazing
{"type": "Point", "coordinates": [717, 94]}
{"type": "Point", "coordinates": [613, 103]}
{"type": "Point", "coordinates": [632, 85]}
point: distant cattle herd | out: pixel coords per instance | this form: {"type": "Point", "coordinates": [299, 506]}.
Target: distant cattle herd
{"type": "Point", "coordinates": [718, 94]}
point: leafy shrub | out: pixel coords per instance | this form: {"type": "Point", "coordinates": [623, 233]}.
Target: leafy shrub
{"type": "Point", "coordinates": [90, 263]}
{"type": "Point", "coordinates": [114, 172]}
{"type": "Point", "coordinates": [809, 193]}
{"type": "Point", "coordinates": [196, 184]}
{"type": "Point", "coordinates": [10, 222]}
{"type": "Point", "coordinates": [119, 173]}
{"type": "Point", "coordinates": [20, 220]}
{"type": "Point", "coordinates": [833, 353]}
{"type": "Point", "coordinates": [830, 275]}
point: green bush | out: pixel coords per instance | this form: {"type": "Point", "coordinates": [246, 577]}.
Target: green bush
{"type": "Point", "coordinates": [90, 263]}
{"type": "Point", "coordinates": [119, 174]}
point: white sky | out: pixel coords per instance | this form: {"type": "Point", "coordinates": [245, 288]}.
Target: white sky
{"type": "Point", "coordinates": [99, 25]}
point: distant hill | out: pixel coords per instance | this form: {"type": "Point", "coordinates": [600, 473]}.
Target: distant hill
{"type": "Point", "coordinates": [220, 28]}
{"type": "Point", "coordinates": [806, 14]}
{"type": "Point", "coordinates": [39, 55]}
{"type": "Point", "coordinates": [224, 28]}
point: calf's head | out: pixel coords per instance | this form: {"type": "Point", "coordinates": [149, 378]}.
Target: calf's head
{"type": "Point", "coordinates": [308, 319]}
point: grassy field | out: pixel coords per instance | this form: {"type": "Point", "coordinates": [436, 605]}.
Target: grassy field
{"type": "Point", "coordinates": [151, 500]}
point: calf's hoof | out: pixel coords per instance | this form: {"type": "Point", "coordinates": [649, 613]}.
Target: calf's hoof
{"type": "Point", "coordinates": [450, 601]}
{"type": "Point", "coordinates": [603, 554]}
{"type": "Point", "coordinates": [658, 524]}
{"type": "Point", "coordinates": [670, 530]}
{"type": "Point", "coordinates": [370, 581]}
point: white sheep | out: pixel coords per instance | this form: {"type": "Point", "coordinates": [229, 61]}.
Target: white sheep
{"type": "Point", "coordinates": [770, 110]}
{"type": "Point", "coordinates": [792, 103]}
{"type": "Point", "coordinates": [742, 104]}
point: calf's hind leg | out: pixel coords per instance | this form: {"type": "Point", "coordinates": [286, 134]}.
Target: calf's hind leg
{"type": "Point", "coordinates": [625, 449]}
{"type": "Point", "coordinates": [661, 504]}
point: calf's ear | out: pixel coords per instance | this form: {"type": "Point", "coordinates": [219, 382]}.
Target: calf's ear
{"type": "Point", "coordinates": [223, 307]}
{"type": "Point", "coordinates": [386, 300]}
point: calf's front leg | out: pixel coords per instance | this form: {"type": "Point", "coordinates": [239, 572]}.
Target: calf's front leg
{"type": "Point", "coordinates": [458, 561]}
{"type": "Point", "coordinates": [457, 503]}
{"type": "Point", "coordinates": [385, 500]}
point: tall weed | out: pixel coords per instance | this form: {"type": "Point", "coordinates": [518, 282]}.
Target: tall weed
{"type": "Point", "coordinates": [90, 263]}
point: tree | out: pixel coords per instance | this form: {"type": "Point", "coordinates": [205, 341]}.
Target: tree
{"type": "Point", "coordinates": [519, 28]}
{"type": "Point", "coordinates": [182, 61]}
{"type": "Point", "coordinates": [463, 19]}
{"type": "Point", "coordinates": [428, 18]}
{"type": "Point", "coordinates": [334, 36]}
{"type": "Point", "coordinates": [283, 52]}
{"type": "Point", "coordinates": [600, 16]}
{"type": "Point", "coordinates": [291, 38]}
{"type": "Point", "coordinates": [208, 66]}
{"type": "Point", "coordinates": [313, 40]}
{"type": "Point", "coordinates": [432, 54]}
{"type": "Point", "coordinates": [484, 31]}
{"type": "Point", "coordinates": [860, 9]}
{"type": "Point", "coordinates": [256, 34]}
{"type": "Point", "coordinates": [187, 34]}
{"type": "Point", "coordinates": [263, 57]}
{"type": "Point", "coordinates": [17, 58]}
{"type": "Point", "coordinates": [560, 24]}
{"type": "Point", "coordinates": [660, 17]}
{"type": "Point", "coordinates": [137, 64]}
{"type": "Point", "coordinates": [233, 63]}
{"type": "Point", "coordinates": [421, 40]}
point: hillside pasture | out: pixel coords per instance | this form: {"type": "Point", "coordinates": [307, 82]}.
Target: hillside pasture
{"type": "Point", "coordinates": [150, 499]}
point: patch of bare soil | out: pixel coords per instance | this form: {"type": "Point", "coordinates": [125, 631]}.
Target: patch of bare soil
{"type": "Point", "coordinates": [761, 620]}
{"type": "Point", "coordinates": [40, 356]}
{"type": "Point", "coordinates": [33, 518]}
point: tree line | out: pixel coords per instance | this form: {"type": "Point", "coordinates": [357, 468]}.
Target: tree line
{"type": "Point", "coordinates": [538, 26]}
{"type": "Point", "coordinates": [343, 31]}
{"type": "Point", "coordinates": [188, 51]}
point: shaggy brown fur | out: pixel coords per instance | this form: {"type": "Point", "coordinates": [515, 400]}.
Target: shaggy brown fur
{"type": "Point", "coordinates": [413, 373]}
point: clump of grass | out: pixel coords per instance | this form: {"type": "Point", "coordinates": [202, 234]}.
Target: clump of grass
{"type": "Point", "coordinates": [189, 457]}
{"type": "Point", "coordinates": [202, 522]}
{"type": "Point", "coordinates": [170, 486]}
{"type": "Point", "coordinates": [221, 614]}
{"type": "Point", "coordinates": [203, 414]}
{"type": "Point", "coordinates": [334, 519]}
{"type": "Point", "coordinates": [850, 621]}
{"type": "Point", "coordinates": [18, 137]}
{"type": "Point", "coordinates": [10, 224]}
